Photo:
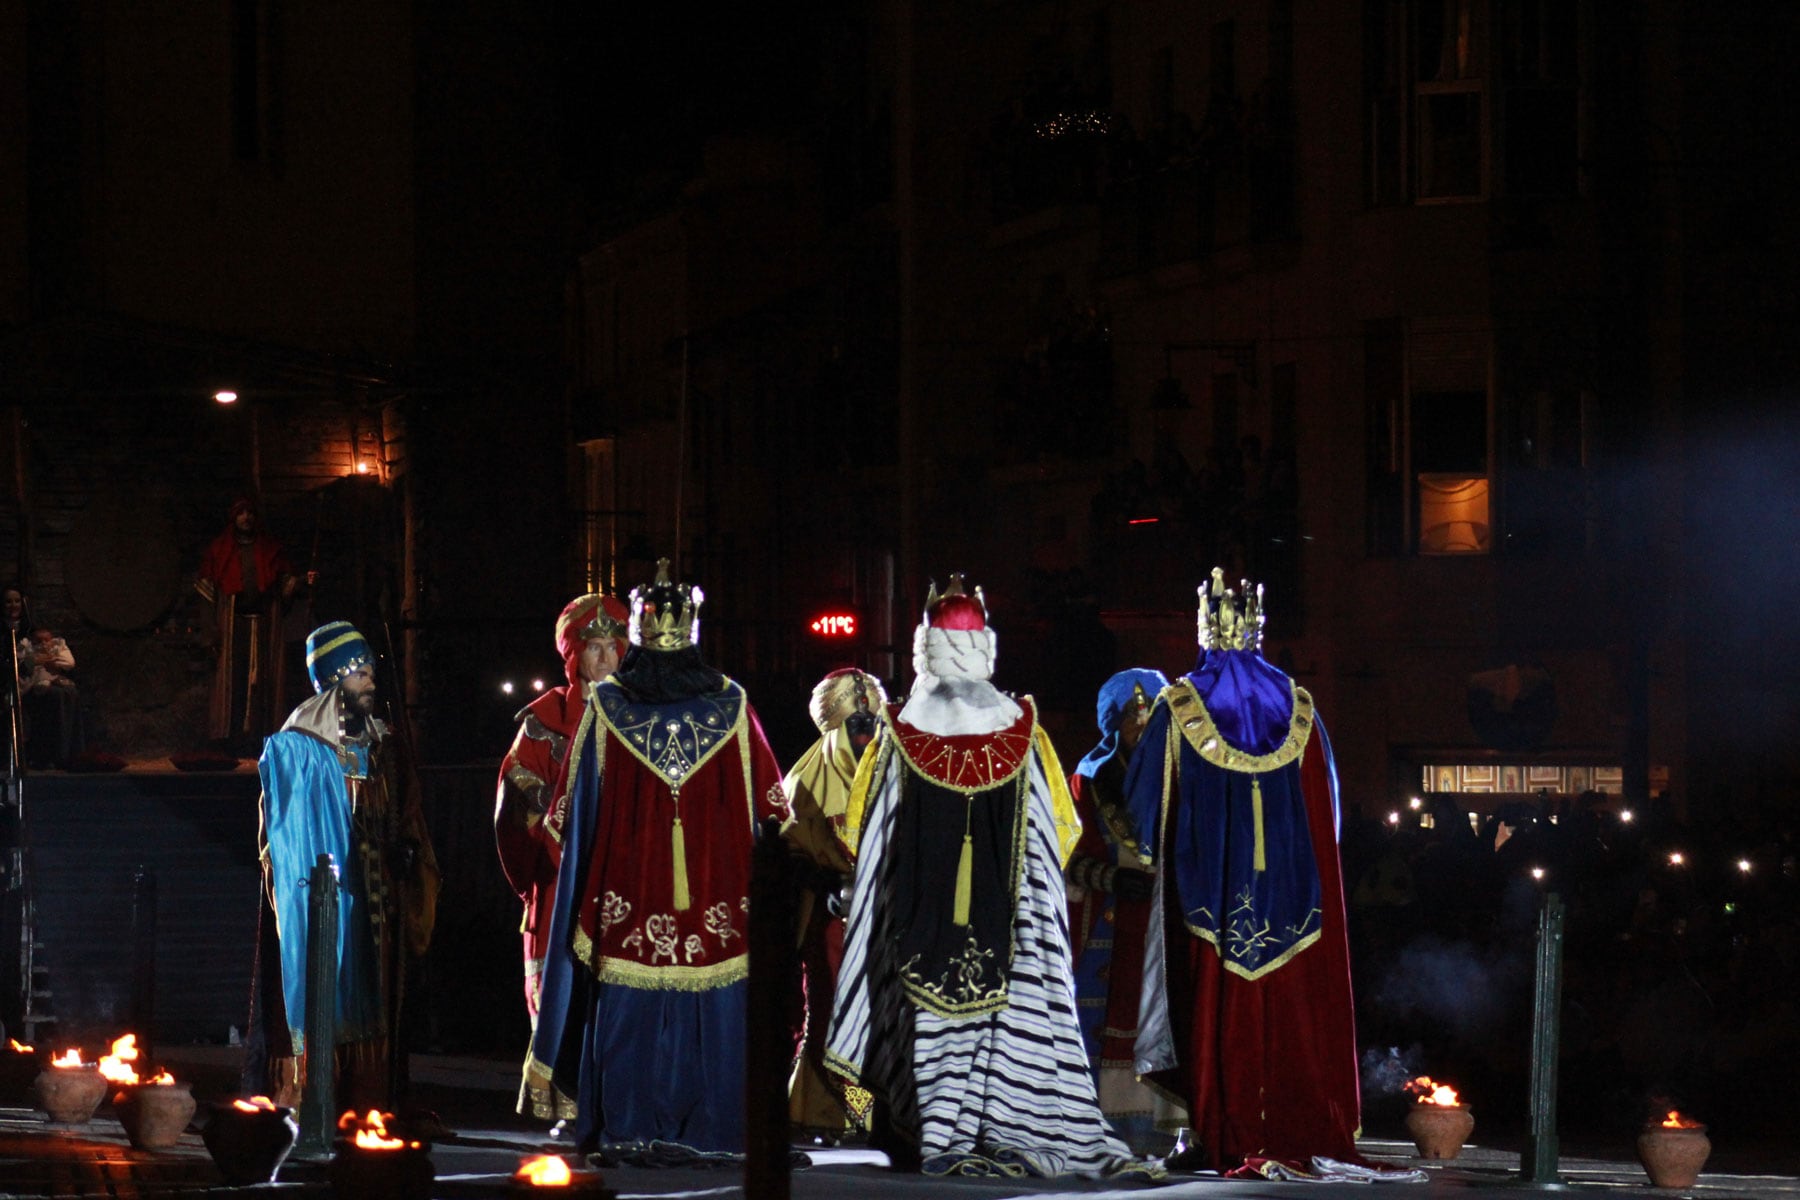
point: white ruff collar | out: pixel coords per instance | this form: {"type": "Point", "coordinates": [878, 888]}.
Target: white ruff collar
{"type": "Point", "coordinates": [952, 695]}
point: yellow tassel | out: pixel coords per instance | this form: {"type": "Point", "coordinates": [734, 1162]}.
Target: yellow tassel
{"type": "Point", "coordinates": [1262, 858]}
{"type": "Point", "coordinates": [679, 849]}
{"type": "Point", "coordinates": [965, 869]}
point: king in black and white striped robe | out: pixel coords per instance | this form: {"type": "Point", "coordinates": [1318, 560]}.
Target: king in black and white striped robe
{"type": "Point", "coordinates": [999, 1083]}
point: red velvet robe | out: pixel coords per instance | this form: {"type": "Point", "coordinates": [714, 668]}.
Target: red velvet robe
{"type": "Point", "coordinates": [528, 815]}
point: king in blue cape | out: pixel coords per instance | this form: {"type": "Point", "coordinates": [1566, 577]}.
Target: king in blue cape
{"type": "Point", "coordinates": [338, 780]}
{"type": "Point", "coordinates": [1232, 794]}
{"type": "Point", "coordinates": [642, 1013]}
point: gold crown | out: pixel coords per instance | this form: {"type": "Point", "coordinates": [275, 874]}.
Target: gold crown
{"type": "Point", "coordinates": [1228, 620]}
{"type": "Point", "coordinates": [665, 615]}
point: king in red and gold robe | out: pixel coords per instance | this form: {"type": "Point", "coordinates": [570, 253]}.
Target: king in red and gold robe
{"type": "Point", "coordinates": [642, 1011]}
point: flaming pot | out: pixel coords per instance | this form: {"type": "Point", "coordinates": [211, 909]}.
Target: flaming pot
{"type": "Point", "coordinates": [71, 1094]}
{"type": "Point", "coordinates": [1439, 1130]}
{"type": "Point", "coordinates": [249, 1147]}
{"type": "Point", "coordinates": [1673, 1157]}
{"type": "Point", "coordinates": [154, 1114]}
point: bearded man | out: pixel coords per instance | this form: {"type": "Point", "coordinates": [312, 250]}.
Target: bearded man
{"type": "Point", "coordinates": [338, 780]}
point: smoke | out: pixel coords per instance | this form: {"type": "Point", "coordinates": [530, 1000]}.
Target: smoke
{"type": "Point", "coordinates": [1386, 1069]}
{"type": "Point", "coordinates": [1449, 985]}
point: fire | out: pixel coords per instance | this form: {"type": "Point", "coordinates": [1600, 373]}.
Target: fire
{"type": "Point", "coordinates": [21, 1047]}
{"type": "Point", "coordinates": [546, 1170]}
{"type": "Point", "coordinates": [372, 1132]}
{"type": "Point", "coordinates": [115, 1066]}
{"type": "Point", "coordinates": [1430, 1091]}
{"type": "Point", "coordinates": [68, 1058]}
{"type": "Point", "coordinates": [254, 1104]}
{"type": "Point", "coordinates": [1676, 1121]}
{"type": "Point", "coordinates": [160, 1078]}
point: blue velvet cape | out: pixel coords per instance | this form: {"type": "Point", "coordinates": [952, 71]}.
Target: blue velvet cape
{"type": "Point", "coordinates": [306, 812]}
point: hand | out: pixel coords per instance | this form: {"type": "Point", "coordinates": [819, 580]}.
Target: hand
{"type": "Point", "coordinates": [1130, 884]}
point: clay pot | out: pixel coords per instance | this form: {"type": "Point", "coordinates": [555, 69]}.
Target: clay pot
{"type": "Point", "coordinates": [249, 1147]}
{"type": "Point", "coordinates": [404, 1174]}
{"type": "Point", "coordinates": [71, 1094]}
{"type": "Point", "coordinates": [154, 1114]}
{"type": "Point", "coordinates": [1439, 1130]}
{"type": "Point", "coordinates": [1673, 1157]}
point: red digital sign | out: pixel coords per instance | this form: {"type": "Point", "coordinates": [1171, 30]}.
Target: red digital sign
{"type": "Point", "coordinates": [834, 625]}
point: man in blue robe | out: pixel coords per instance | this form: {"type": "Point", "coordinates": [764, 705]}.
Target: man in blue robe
{"type": "Point", "coordinates": [337, 780]}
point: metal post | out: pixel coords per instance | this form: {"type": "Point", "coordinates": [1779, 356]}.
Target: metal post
{"type": "Point", "coordinates": [770, 1050]}
{"type": "Point", "coordinates": [143, 962]}
{"type": "Point", "coordinates": [318, 1103]}
{"type": "Point", "coordinates": [1537, 1163]}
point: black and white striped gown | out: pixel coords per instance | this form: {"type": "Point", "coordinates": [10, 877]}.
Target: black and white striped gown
{"type": "Point", "coordinates": [1007, 1091]}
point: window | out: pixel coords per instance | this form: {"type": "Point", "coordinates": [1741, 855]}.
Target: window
{"type": "Point", "coordinates": [1430, 481]}
{"type": "Point", "coordinates": [1540, 73]}
{"type": "Point", "coordinates": [1450, 102]}
{"type": "Point", "coordinates": [1430, 94]}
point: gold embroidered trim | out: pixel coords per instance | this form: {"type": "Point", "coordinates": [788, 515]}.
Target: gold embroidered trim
{"type": "Point", "coordinates": [625, 973]}
{"type": "Point", "coordinates": [921, 992]}
{"type": "Point", "coordinates": [1187, 713]}
{"type": "Point", "coordinates": [1280, 960]}
{"type": "Point", "coordinates": [992, 779]}
{"type": "Point", "coordinates": [704, 756]}
{"type": "Point", "coordinates": [838, 1065]}
{"type": "Point", "coordinates": [967, 968]}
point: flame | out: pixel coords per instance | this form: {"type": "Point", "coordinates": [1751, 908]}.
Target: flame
{"type": "Point", "coordinates": [254, 1104]}
{"type": "Point", "coordinates": [20, 1046]}
{"type": "Point", "coordinates": [546, 1170]}
{"type": "Point", "coordinates": [1676, 1121]}
{"type": "Point", "coordinates": [1430, 1091]}
{"type": "Point", "coordinates": [114, 1066]}
{"type": "Point", "coordinates": [161, 1077]}
{"type": "Point", "coordinates": [68, 1058]}
{"type": "Point", "coordinates": [372, 1132]}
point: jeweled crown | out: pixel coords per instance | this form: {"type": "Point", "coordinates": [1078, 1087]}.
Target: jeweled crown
{"type": "Point", "coordinates": [1230, 620]}
{"type": "Point", "coordinates": [665, 615]}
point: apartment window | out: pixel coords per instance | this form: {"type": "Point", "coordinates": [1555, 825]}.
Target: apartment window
{"type": "Point", "coordinates": [1430, 482]}
{"type": "Point", "coordinates": [1427, 105]}
{"type": "Point", "coordinates": [1449, 102]}
{"type": "Point", "coordinates": [1452, 501]}
{"type": "Point", "coordinates": [1538, 47]}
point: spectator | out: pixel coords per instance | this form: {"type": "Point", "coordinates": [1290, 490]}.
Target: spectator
{"type": "Point", "coordinates": [45, 663]}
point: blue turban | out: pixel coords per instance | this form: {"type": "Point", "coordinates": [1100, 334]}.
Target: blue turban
{"type": "Point", "coordinates": [1115, 694]}
{"type": "Point", "coordinates": [334, 651]}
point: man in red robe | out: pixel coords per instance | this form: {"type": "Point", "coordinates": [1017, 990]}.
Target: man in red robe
{"type": "Point", "coordinates": [642, 1014]}
{"type": "Point", "coordinates": [244, 575]}
{"type": "Point", "coordinates": [1247, 1017]}
{"type": "Point", "coordinates": [529, 809]}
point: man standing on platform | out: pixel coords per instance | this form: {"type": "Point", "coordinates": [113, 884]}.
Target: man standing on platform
{"type": "Point", "coordinates": [1247, 1015]}
{"type": "Point", "coordinates": [337, 780]}
{"type": "Point", "coordinates": [244, 575]}
{"type": "Point", "coordinates": [955, 1005]}
{"type": "Point", "coordinates": [642, 1016]}
{"type": "Point", "coordinates": [529, 810]}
